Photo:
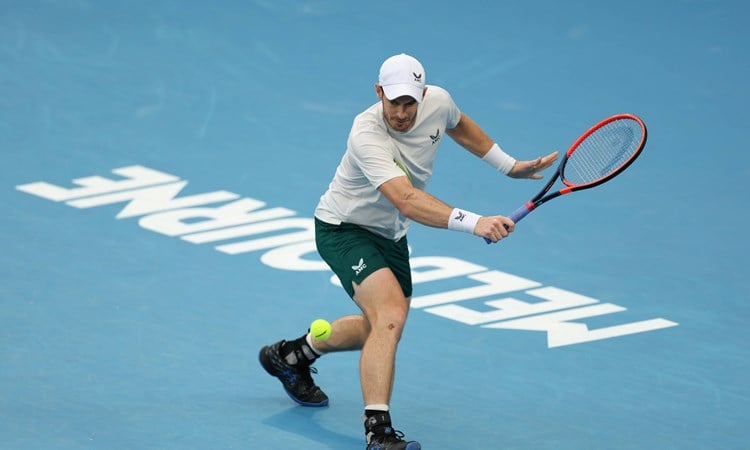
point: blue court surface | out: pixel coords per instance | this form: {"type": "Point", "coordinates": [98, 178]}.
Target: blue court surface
{"type": "Point", "coordinates": [161, 164]}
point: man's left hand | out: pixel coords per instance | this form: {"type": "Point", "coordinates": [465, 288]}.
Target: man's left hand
{"type": "Point", "coordinates": [531, 169]}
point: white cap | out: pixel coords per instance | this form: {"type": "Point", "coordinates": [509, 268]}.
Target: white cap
{"type": "Point", "coordinates": [402, 75]}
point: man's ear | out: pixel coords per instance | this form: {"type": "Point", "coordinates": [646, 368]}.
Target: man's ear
{"type": "Point", "coordinates": [379, 91]}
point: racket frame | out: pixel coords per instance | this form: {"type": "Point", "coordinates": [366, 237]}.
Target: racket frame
{"type": "Point", "coordinates": [541, 198]}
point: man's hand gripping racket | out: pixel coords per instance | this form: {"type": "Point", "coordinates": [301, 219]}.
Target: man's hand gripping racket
{"type": "Point", "coordinates": [600, 154]}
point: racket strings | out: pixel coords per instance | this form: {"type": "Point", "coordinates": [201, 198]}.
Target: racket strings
{"type": "Point", "coordinates": [603, 152]}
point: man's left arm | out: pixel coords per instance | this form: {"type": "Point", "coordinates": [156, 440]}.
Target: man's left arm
{"type": "Point", "coordinates": [469, 135]}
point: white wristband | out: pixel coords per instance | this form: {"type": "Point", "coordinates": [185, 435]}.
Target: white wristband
{"type": "Point", "coordinates": [498, 159]}
{"type": "Point", "coordinates": [461, 220]}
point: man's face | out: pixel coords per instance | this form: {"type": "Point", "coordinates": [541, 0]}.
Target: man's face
{"type": "Point", "coordinates": [400, 113]}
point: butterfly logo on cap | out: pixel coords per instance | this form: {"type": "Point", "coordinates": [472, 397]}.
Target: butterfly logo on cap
{"type": "Point", "coordinates": [417, 78]}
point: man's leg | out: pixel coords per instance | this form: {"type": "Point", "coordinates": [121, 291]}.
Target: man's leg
{"type": "Point", "coordinates": [383, 303]}
{"type": "Point", "coordinates": [348, 333]}
{"type": "Point", "coordinates": [290, 361]}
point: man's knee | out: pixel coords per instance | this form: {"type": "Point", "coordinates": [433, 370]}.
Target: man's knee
{"type": "Point", "coordinates": [383, 303]}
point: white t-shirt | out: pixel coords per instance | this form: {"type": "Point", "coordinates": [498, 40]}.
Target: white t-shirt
{"type": "Point", "coordinates": [375, 153]}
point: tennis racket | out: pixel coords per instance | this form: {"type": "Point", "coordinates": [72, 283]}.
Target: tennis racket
{"type": "Point", "coordinates": [600, 154]}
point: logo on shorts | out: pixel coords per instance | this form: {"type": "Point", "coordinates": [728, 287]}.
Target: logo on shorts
{"type": "Point", "coordinates": [360, 267]}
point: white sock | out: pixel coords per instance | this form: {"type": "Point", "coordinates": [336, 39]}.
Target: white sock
{"type": "Point", "coordinates": [310, 341]}
{"type": "Point", "coordinates": [377, 407]}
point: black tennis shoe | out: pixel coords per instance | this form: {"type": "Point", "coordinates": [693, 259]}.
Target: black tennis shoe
{"type": "Point", "coordinates": [392, 441]}
{"type": "Point", "coordinates": [297, 381]}
{"type": "Point", "coordinates": [382, 436]}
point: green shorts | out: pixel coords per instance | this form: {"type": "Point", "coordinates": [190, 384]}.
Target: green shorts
{"type": "Point", "coordinates": [354, 253]}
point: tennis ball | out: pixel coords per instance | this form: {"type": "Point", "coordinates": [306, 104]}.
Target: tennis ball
{"type": "Point", "coordinates": [320, 329]}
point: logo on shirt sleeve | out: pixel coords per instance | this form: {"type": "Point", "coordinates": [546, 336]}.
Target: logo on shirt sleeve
{"type": "Point", "coordinates": [401, 166]}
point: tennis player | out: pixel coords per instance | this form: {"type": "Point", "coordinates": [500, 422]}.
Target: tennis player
{"type": "Point", "coordinates": [360, 230]}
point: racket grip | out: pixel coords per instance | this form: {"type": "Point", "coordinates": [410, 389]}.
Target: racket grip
{"type": "Point", "coordinates": [520, 213]}
{"type": "Point", "coordinates": [516, 215]}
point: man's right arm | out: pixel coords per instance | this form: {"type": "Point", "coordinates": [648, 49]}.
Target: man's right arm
{"type": "Point", "coordinates": [428, 210]}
